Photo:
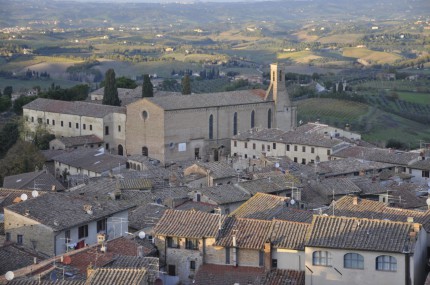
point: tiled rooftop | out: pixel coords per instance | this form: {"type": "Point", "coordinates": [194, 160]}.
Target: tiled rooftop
{"type": "Point", "coordinates": [224, 194]}
{"type": "Point", "coordinates": [91, 159]}
{"type": "Point", "coordinates": [287, 234]}
{"type": "Point", "coordinates": [378, 154]}
{"type": "Point", "coordinates": [421, 164]}
{"type": "Point", "coordinates": [38, 180]}
{"type": "Point", "coordinates": [268, 185]}
{"type": "Point", "coordinates": [67, 210]}
{"type": "Point", "coordinates": [336, 186]}
{"type": "Point", "coordinates": [78, 108]}
{"type": "Point", "coordinates": [349, 165]}
{"type": "Point", "coordinates": [13, 257]}
{"type": "Point", "coordinates": [11, 196]}
{"type": "Point", "coordinates": [217, 169]}
{"type": "Point", "coordinates": [209, 99]}
{"type": "Point", "coordinates": [196, 206]}
{"type": "Point", "coordinates": [117, 276]}
{"type": "Point", "coordinates": [80, 140]}
{"type": "Point", "coordinates": [191, 224]}
{"type": "Point", "coordinates": [250, 233]}
{"type": "Point", "coordinates": [146, 215]}
{"type": "Point", "coordinates": [360, 234]}
{"type": "Point", "coordinates": [228, 275]}
{"type": "Point", "coordinates": [282, 277]}
{"type": "Point", "coordinates": [36, 281]}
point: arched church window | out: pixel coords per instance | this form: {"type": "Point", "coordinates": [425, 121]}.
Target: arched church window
{"type": "Point", "coordinates": [211, 127]}
{"type": "Point", "coordinates": [252, 119]}
{"type": "Point", "coordinates": [235, 124]}
{"type": "Point", "coordinates": [269, 119]}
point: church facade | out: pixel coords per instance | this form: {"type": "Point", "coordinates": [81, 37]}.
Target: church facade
{"type": "Point", "coordinates": [200, 126]}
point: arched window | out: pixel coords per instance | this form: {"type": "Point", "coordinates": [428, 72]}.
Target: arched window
{"type": "Point", "coordinates": [211, 127]}
{"type": "Point", "coordinates": [235, 124]}
{"type": "Point", "coordinates": [144, 151]}
{"type": "Point", "coordinates": [120, 150]}
{"type": "Point", "coordinates": [252, 119]}
{"type": "Point", "coordinates": [353, 261]}
{"type": "Point", "coordinates": [269, 119]}
{"type": "Point", "coordinates": [321, 258]}
{"type": "Point", "coordinates": [386, 263]}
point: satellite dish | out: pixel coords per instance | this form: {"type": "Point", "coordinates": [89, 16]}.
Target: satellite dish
{"type": "Point", "coordinates": [67, 260]}
{"type": "Point", "coordinates": [428, 201]}
{"type": "Point", "coordinates": [277, 164]}
{"type": "Point", "coordinates": [24, 197]}
{"type": "Point", "coordinates": [34, 193]}
{"type": "Point", "coordinates": [292, 202]}
{"type": "Point", "coordinates": [142, 235]}
{"type": "Point", "coordinates": [9, 275]}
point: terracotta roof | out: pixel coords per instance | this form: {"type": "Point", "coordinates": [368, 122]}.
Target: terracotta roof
{"type": "Point", "coordinates": [66, 209]}
{"type": "Point", "coordinates": [224, 194]}
{"type": "Point", "coordinates": [78, 108]}
{"type": "Point", "coordinates": [360, 234]}
{"type": "Point", "coordinates": [79, 140]}
{"type": "Point", "coordinates": [282, 277]}
{"type": "Point", "coordinates": [228, 275]}
{"type": "Point", "coordinates": [377, 210]}
{"type": "Point", "coordinates": [266, 207]}
{"type": "Point", "coordinates": [287, 234]}
{"type": "Point", "coordinates": [218, 169]}
{"type": "Point", "coordinates": [37, 180]}
{"type": "Point", "coordinates": [378, 154]}
{"type": "Point", "coordinates": [136, 184]}
{"type": "Point", "coordinates": [368, 186]}
{"type": "Point", "coordinates": [117, 276]}
{"type": "Point", "coordinates": [91, 159]}
{"type": "Point", "coordinates": [271, 184]}
{"type": "Point", "coordinates": [250, 233]}
{"type": "Point", "coordinates": [348, 166]}
{"type": "Point", "coordinates": [259, 134]}
{"type": "Point", "coordinates": [124, 261]}
{"type": "Point", "coordinates": [207, 100]}
{"type": "Point", "coordinates": [13, 257]}
{"type": "Point", "coordinates": [146, 215]}
{"type": "Point", "coordinates": [191, 224]}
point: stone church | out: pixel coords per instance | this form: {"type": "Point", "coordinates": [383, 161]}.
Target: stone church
{"type": "Point", "coordinates": [200, 126]}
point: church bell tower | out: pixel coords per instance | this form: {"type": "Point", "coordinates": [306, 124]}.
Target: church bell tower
{"type": "Point", "coordinates": [285, 113]}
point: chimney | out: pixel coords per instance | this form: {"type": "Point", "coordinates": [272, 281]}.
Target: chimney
{"type": "Point", "coordinates": [90, 270]}
{"type": "Point", "coordinates": [54, 188]}
{"type": "Point", "coordinates": [417, 227]}
{"type": "Point", "coordinates": [355, 200]}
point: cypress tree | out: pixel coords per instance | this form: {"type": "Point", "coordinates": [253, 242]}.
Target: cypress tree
{"type": "Point", "coordinates": [147, 87]}
{"type": "Point", "coordinates": [186, 85]}
{"type": "Point", "coordinates": [110, 95]}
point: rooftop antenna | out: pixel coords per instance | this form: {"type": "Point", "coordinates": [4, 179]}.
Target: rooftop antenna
{"type": "Point", "coordinates": [334, 202]}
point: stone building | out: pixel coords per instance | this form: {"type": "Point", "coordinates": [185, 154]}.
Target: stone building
{"type": "Point", "coordinates": [199, 126]}
{"type": "Point", "coordinates": [72, 119]}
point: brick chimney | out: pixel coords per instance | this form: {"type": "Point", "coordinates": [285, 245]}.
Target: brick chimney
{"type": "Point", "coordinates": [355, 200]}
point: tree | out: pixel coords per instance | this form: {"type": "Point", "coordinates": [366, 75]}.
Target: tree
{"type": "Point", "coordinates": [22, 157]}
{"type": "Point", "coordinates": [110, 96]}
{"type": "Point", "coordinates": [8, 90]}
{"type": "Point", "coordinates": [147, 87]}
{"type": "Point", "coordinates": [8, 137]}
{"type": "Point", "coordinates": [5, 103]}
{"type": "Point", "coordinates": [186, 85]}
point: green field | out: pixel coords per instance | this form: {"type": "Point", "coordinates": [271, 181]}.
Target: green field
{"type": "Point", "coordinates": [20, 85]}
{"type": "Point", "coordinates": [370, 55]}
{"type": "Point", "coordinates": [415, 97]}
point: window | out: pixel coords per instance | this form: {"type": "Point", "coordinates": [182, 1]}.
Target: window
{"type": "Point", "coordinates": [295, 148]}
{"type": "Point", "coordinates": [246, 145]}
{"type": "Point", "coordinates": [145, 151]}
{"type": "Point", "coordinates": [288, 147]}
{"type": "Point", "coordinates": [47, 121]}
{"type": "Point", "coordinates": [426, 174]}
{"type": "Point", "coordinates": [211, 127]}
{"type": "Point", "coordinates": [303, 149]}
{"type": "Point", "coordinates": [171, 270]}
{"type": "Point", "coordinates": [101, 225]}
{"type": "Point", "coordinates": [269, 119]}
{"type": "Point", "coordinates": [353, 261]}
{"type": "Point", "coordinates": [83, 231]}
{"type": "Point", "coordinates": [192, 244]}
{"type": "Point", "coordinates": [106, 130]}
{"type": "Point", "coordinates": [32, 119]}
{"type": "Point", "coordinates": [173, 242]}
{"type": "Point", "coordinates": [328, 152]}
{"type": "Point", "coordinates": [227, 255]}
{"type": "Point", "coordinates": [84, 126]}
{"type": "Point", "coordinates": [107, 146]}
{"type": "Point", "coordinates": [192, 265]}
{"type": "Point", "coordinates": [295, 159]}
{"type": "Point", "coordinates": [262, 147]}
{"type": "Point", "coordinates": [254, 146]}
{"type": "Point", "coordinates": [62, 123]}
{"type": "Point", "coordinates": [274, 145]}
{"type": "Point", "coordinates": [119, 128]}
{"type": "Point", "coordinates": [303, 160]}
{"type": "Point", "coordinates": [235, 143]}
{"type": "Point", "coordinates": [386, 263]}
{"type": "Point", "coordinates": [252, 119]}
{"type": "Point", "coordinates": [274, 263]}
{"type": "Point", "coordinates": [77, 125]}
{"type": "Point", "coordinates": [91, 127]}
{"type": "Point", "coordinates": [66, 236]}
{"type": "Point", "coordinates": [39, 120]}
{"type": "Point", "coordinates": [235, 124]}
{"type": "Point", "coordinates": [321, 258]}
{"type": "Point", "coordinates": [70, 124]}
{"type": "Point", "coordinates": [312, 150]}
{"type": "Point", "coordinates": [19, 239]}
{"type": "Point", "coordinates": [260, 258]}
{"type": "Point", "coordinates": [53, 122]}
{"type": "Point", "coordinates": [7, 236]}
